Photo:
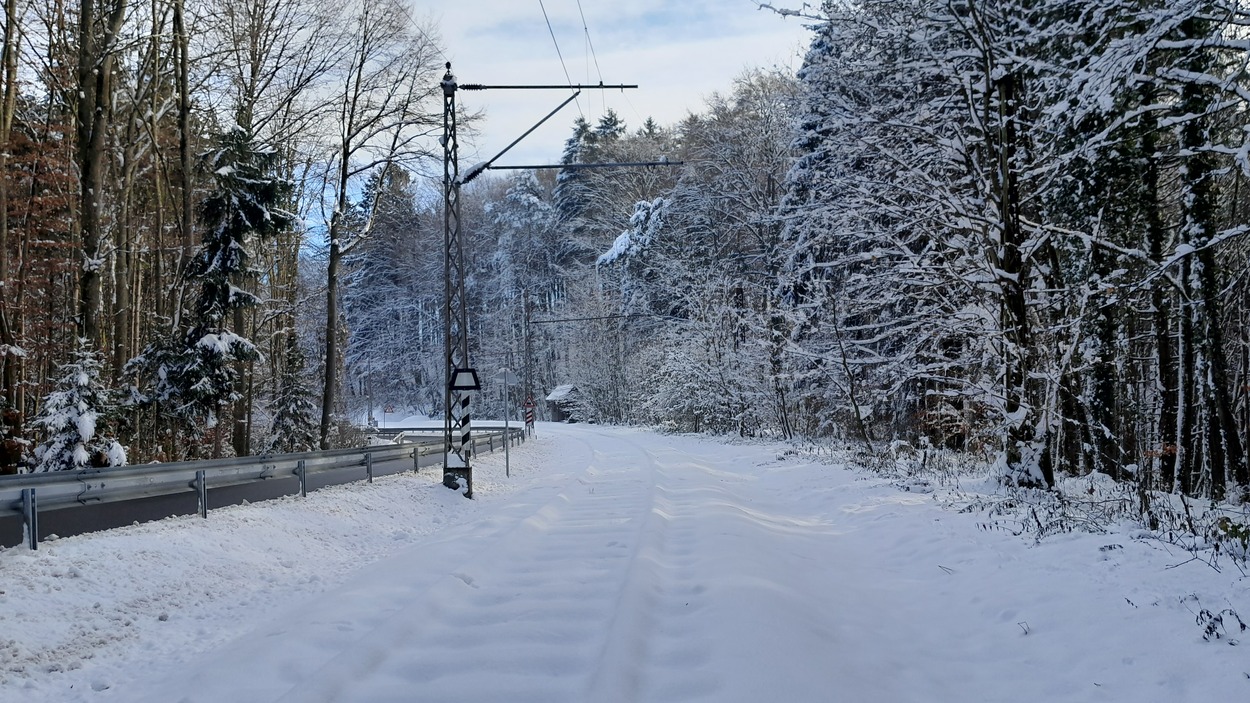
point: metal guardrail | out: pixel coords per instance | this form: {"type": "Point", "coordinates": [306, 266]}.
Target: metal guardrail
{"type": "Point", "coordinates": [28, 494]}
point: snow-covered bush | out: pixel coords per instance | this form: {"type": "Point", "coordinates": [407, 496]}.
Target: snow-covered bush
{"type": "Point", "coordinates": [75, 418]}
{"type": "Point", "coordinates": [294, 412]}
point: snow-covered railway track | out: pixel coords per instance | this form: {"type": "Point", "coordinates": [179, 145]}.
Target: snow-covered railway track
{"type": "Point", "coordinates": [548, 604]}
{"type": "Point", "coordinates": [630, 567]}
{"type": "Point", "coordinates": [614, 565]}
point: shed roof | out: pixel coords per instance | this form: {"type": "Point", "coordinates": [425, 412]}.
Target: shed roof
{"type": "Point", "coordinates": [561, 393]}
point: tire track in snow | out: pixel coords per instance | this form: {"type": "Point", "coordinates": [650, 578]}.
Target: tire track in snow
{"type": "Point", "coordinates": [681, 648]}
{"type": "Point", "coordinates": [619, 669]}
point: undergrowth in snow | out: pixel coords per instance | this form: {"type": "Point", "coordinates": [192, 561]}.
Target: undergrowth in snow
{"type": "Point", "coordinates": [1215, 533]}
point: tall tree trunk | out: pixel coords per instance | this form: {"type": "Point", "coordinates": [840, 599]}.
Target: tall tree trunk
{"type": "Point", "coordinates": [1225, 438]}
{"type": "Point", "coordinates": [186, 221]}
{"type": "Point", "coordinates": [9, 357]}
{"type": "Point", "coordinates": [1225, 454]}
{"type": "Point", "coordinates": [123, 261]}
{"type": "Point", "coordinates": [1022, 441]}
{"type": "Point", "coordinates": [1186, 409]}
{"type": "Point", "coordinates": [1104, 428]}
{"type": "Point", "coordinates": [96, 50]}
{"type": "Point", "coordinates": [1161, 320]}
{"type": "Point", "coordinates": [330, 385]}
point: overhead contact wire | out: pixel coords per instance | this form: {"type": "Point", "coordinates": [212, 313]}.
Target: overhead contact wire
{"type": "Point", "coordinates": [552, 31]}
{"type": "Point", "coordinates": [594, 57]}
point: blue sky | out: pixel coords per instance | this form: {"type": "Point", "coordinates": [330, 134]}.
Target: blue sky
{"type": "Point", "coordinates": [677, 51]}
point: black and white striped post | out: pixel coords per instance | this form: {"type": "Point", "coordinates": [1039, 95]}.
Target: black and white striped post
{"type": "Point", "coordinates": [457, 457]}
{"type": "Point", "coordinates": [529, 414]}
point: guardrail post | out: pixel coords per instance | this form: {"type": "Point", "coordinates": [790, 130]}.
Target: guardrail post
{"type": "Point", "coordinates": [416, 459]}
{"type": "Point", "coordinates": [201, 488]}
{"type": "Point", "coordinates": [369, 467]}
{"type": "Point", "coordinates": [302, 471]}
{"type": "Point", "coordinates": [30, 516]}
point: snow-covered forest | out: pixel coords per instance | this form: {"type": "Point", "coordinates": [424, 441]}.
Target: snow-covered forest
{"type": "Point", "coordinates": [1014, 229]}
{"type": "Point", "coordinates": [1019, 227]}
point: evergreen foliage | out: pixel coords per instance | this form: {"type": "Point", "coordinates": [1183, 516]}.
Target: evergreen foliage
{"type": "Point", "coordinates": [1006, 231]}
{"type": "Point", "coordinates": [77, 419]}
{"type": "Point", "coordinates": [244, 204]}
{"type": "Point", "coordinates": [195, 376]}
{"type": "Point", "coordinates": [392, 295]}
{"type": "Point", "coordinates": [294, 427]}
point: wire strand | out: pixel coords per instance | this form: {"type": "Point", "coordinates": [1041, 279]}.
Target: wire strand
{"type": "Point", "coordinates": [552, 31]}
{"type": "Point", "coordinates": [591, 45]}
{"type": "Point", "coordinates": [411, 18]}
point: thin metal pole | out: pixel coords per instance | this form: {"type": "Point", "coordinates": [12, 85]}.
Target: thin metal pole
{"type": "Point", "coordinates": [201, 490]}
{"type": "Point", "coordinates": [301, 470]}
{"type": "Point", "coordinates": [368, 467]}
{"type": "Point", "coordinates": [30, 517]}
{"type": "Point", "coordinates": [529, 351]}
{"type": "Point", "coordinates": [507, 430]}
{"type": "Point", "coordinates": [574, 167]}
{"type": "Point", "coordinates": [579, 86]}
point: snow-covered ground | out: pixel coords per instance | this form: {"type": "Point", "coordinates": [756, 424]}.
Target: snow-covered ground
{"type": "Point", "coordinates": [614, 565]}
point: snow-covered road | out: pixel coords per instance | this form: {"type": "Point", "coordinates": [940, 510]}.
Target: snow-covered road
{"type": "Point", "coordinates": [617, 565]}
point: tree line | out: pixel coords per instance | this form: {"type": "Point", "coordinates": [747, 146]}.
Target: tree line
{"type": "Point", "coordinates": [175, 181]}
{"type": "Point", "coordinates": [1008, 227]}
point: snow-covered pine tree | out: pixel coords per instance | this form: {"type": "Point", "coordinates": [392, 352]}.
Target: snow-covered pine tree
{"type": "Point", "coordinates": [1154, 165]}
{"type": "Point", "coordinates": [533, 259]}
{"type": "Point", "coordinates": [195, 377]}
{"type": "Point", "coordinates": [76, 419]}
{"type": "Point", "coordinates": [243, 204]}
{"type": "Point", "coordinates": [911, 242]}
{"type": "Point", "coordinates": [1018, 224]}
{"type": "Point", "coordinates": [713, 265]}
{"type": "Point", "coordinates": [846, 226]}
{"type": "Point", "coordinates": [571, 189]}
{"type": "Point", "coordinates": [586, 198]}
{"type": "Point", "coordinates": [294, 426]}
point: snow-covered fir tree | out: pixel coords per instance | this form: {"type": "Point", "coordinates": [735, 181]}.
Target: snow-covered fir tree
{"type": "Point", "coordinates": [294, 426]}
{"type": "Point", "coordinates": [76, 419]}
{"type": "Point", "coordinates": [195, 376]}
{"type": "Point", "coordinates": [392, 298]}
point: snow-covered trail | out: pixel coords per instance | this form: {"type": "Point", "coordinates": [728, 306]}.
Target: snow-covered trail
{"type": "Point", "coordinates": [602, 593]}
{"type": "Point", "coordinates": [615, 565]}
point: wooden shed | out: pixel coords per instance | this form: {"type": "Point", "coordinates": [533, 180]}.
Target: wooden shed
{"type": "Point", "coordinates": [564, 404]}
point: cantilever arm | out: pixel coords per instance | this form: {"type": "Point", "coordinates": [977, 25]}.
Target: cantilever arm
{"type": "Point", "coordinates": [477, 170]}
